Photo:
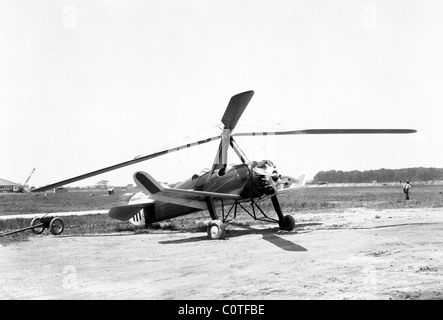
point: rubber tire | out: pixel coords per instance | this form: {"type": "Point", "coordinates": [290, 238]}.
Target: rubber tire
{"type": "Point", "coordinates": [216, 230]}
{"type": "Point", "coordinates": [288, 223]}
{"type": "Point", "coordinates": [56, 229]}
{"type": "Point", "coordinates": [38, 230]}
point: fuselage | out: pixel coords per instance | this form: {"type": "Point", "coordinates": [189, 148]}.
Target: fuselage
{"type": "Point", "coordinates": [238, 179]}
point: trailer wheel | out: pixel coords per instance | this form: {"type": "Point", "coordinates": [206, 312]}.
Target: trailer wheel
{"type": "Point", "coordinates": [56, 226]}
{"type": "Point", "coordinates": [37, 230]}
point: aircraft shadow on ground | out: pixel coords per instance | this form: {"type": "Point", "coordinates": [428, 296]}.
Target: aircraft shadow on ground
{"type": "Point", "coordinates": [394, 225]}
{"type": "Point", "coordinates": [273, 235]}
{"type": "Point", "coordinates": [269, 234]}
{"type": "Point", "coordinates": [115, 234]}
{"type": "Point", "coordinates": [379, 227]}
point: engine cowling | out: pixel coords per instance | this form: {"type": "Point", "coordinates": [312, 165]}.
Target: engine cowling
{"type": "Point", "coordinates": [266, 177]}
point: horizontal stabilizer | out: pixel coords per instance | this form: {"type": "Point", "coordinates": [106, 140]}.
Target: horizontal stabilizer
{"type": "Point", "coordinates": [124, 213]}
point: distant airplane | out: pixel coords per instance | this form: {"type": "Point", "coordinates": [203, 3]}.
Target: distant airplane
{"type": "Point", "coordinates": [223, 186]}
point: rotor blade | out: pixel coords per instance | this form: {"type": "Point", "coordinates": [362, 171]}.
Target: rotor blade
{"type": "Point", "coordinates": [123, 164]}
{"type": "Point", "coordinates": [327, 131]}
{"type": "Point", "coordinates": [235, 109]}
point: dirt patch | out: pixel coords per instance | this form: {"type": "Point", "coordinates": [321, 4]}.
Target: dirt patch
{"type": "Point", "coordinates": [356, 254]}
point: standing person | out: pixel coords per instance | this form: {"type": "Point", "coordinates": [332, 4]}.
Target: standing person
{"type": "Point", "coordinates": [406, 188]}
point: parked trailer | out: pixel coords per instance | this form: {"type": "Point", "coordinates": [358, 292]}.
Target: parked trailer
{"type": "Point", "coordinates": [38, 225]}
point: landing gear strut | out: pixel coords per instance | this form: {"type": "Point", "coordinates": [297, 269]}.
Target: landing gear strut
{"type": "Point", "coordinates": [287, 222]}
{"type": "Point", "coordinates": [216, 228]}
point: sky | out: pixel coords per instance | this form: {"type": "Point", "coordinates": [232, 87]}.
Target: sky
{"type": "Point", "coordinates": [88, 84]}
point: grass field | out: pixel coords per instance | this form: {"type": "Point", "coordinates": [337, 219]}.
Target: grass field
{"type": "Point", "coordinates": [28, 203]}
{"type": "Point", "coordinates": [311, 199]}
{"type": "Point", "coordinates": [371, 197]}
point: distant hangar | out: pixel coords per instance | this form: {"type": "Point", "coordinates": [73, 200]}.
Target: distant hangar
{"type": "Point", "coordinates": [8, 186]}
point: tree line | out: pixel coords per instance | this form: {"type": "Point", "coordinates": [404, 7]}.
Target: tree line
{"type": "Point", "coordinates": [380, 175]}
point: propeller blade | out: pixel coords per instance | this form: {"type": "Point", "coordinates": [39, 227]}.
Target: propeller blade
{"type": "Point", "coordinates": [236, 106]}
{"type": "Point", "coordinates": [327, 131]}
{"type": "Point", "coordinates": [123, 164]}
{"type": "Point", "coordinates": [264, 172]}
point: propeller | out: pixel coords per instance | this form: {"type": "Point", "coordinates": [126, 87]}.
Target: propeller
{"type": "Point", "coordinates": [268, 169]}
{"type": "Point", "coordinates": [264, 172]}
{"type": "Point", "coordinates": [276, 180]}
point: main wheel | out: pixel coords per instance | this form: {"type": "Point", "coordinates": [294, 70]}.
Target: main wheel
{"type": "Point", "coordinates": [216, 229]}
{"type": "Point", "coordinates": [37, 230]}
{"type": "Point", "coordinates": [288, 223]}
{"type": "Point", "coordinates": [56, 226]}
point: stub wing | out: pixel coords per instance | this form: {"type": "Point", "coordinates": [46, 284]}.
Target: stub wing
{"type": "Point", "coordinates": [290, 183]}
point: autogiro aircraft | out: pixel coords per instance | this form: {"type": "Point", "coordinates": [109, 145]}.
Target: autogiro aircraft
{"type": "Point", "coordinates": [224, 186]}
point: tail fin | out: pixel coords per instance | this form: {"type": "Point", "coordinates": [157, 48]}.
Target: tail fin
{"type": "Point", "coordinates": [147, 183]}
{"type": "Point", "coordinates": [302, 180]}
